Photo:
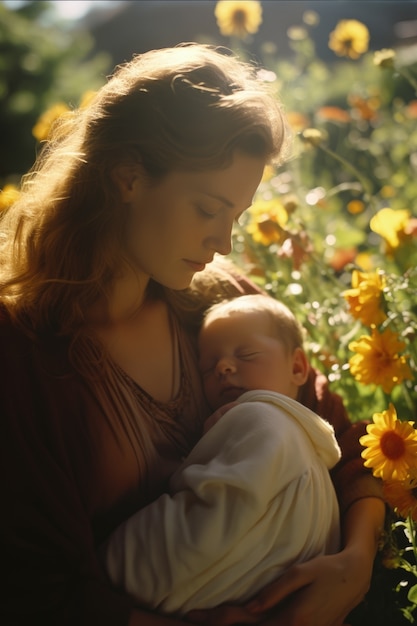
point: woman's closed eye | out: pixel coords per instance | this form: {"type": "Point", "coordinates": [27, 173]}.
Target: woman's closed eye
{"type": "Point", "coordinates": [206, 211]}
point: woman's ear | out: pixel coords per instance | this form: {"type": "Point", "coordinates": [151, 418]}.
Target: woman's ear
{"type": "Point", "coordinates": [126, 178]}
{"type": "Point", "coordinates": [300, 367]}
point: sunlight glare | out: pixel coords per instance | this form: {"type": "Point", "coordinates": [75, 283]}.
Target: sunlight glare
{"type": "Point", "coordinates": [73, 9]}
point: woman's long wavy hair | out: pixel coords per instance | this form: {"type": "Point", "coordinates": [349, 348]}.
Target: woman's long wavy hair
{"type": "Point", "coordinates": [184, 108]}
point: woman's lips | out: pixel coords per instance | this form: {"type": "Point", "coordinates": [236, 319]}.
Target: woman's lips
{"type": "Point", "coordinates": [195, 265]}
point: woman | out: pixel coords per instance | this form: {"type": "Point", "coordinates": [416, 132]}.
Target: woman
{"type": "Point", "coordinates": [100, 398]}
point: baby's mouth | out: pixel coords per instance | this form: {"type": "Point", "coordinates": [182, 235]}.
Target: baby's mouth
{"type": "Point", "coordinates": [231, 392]}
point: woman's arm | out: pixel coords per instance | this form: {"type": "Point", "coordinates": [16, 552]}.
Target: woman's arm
{"type": "Point", "coordinates": [326, 589]}
{"type": "Point", "coordinates": [320, 592]}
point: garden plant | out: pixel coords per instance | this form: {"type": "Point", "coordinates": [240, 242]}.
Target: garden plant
{"type": "Point", "coordinates": [333, 232]}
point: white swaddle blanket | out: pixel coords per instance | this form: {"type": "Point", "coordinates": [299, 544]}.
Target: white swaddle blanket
{"type": "Point", "coordinates": [253, 497]}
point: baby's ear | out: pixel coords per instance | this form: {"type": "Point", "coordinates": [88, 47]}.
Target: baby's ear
{"type": "Point", "coordinates": [300, 367]}
{"type": "Point", "coordinates": [126, 177]}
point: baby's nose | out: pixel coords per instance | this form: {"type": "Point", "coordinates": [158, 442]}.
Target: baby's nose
{"type": "Point", "coordinates": [225, 366]}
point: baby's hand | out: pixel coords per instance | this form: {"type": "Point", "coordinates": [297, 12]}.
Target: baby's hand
{"type": "Point", "coordinates": [214, 417]}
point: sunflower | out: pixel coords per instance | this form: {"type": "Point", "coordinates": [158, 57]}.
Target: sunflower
{"type": "Point", "coordinates": [350, 38]}
{"type": "Point", "coordinates": [267, 221]}
{"type": "Point", "coordinates": [377, 360]}
{"type": "Point", "coordinates": [366, 297]}
{"type": "Point", "coordinates": [390, 446]}
{"type": "Point", "coordinates": [238, 18]}
{"type": "Point", "coordinates": [401, 495]}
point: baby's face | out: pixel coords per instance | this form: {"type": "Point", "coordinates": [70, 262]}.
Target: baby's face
{"type": "Point", "coordinates": [239, 353]}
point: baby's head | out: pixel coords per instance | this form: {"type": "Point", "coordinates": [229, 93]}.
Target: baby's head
{"type": "Point", "coordinates": [250, 342]}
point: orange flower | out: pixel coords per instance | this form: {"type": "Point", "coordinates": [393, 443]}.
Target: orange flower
{"type": "Point", "coordinates": [377, 360]}
{"type": "Point", "coordinates": [390, 446]}
{"type": "Point", "coordinates": [366, 297]}
{"type": "Point", "coordinates": [297, 121]}
{"type": "Point", "coordinates": [355, 207]}
{"type": "Point", "coordinates": [333, 114]}
{"type": "Point", "coordinates": [341, 257]}
{"type": "Point", "coordinates": [365, 108]}
{"type": "Point", "coordinates": [411, 110]}
{"type": "Point", "coordinates": [401, 495]}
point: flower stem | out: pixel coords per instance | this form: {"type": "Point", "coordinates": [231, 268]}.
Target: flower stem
{"type": "Point", "coordinates": [408, 76]}
{"type": "Point", "coordinates": [364, 181]}
{"type": "Point", "coordinates": [412, 533]}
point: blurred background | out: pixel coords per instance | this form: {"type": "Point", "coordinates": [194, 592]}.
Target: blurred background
{"type": "Point", "coordinates": [54, 52]}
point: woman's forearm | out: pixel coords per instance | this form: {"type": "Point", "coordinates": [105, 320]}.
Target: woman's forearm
{"type": "Point", "coordinates": [363, 524]}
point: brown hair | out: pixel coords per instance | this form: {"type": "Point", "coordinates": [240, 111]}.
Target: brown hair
{"type": "Point", "coordinates": [189, 107]}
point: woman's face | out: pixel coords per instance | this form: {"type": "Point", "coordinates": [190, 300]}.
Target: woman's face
{"type": "Point", "coordinates": [177, 225]}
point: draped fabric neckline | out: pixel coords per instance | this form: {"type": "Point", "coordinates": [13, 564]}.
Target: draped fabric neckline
{"type": "Point", "coordinates": [144, 398]}
{"type": "Point", "coordinates": [141, 440]}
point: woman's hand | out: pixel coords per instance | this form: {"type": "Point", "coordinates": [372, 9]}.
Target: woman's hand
{"type": "Point", "coordinates": [320, 592]}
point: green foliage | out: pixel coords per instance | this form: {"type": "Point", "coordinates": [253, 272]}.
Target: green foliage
{"type": "Point", "coordinates": [41, 62]}
{"type": "Point", "coordinates": [360, 158]}
{"type": "Point", "coordinates": [366, 154]}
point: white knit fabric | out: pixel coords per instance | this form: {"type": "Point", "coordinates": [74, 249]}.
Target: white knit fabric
{"type": "Point", "coordinates": [253, 497]}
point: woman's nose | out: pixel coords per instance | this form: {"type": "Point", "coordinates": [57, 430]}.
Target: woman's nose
{"type": "Point", "coordinates": [221, 240]}
{"type": "Point", "coordinates": [224, 244]}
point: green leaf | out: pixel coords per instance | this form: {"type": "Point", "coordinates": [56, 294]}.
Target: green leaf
{"type": "Point", "coordinates": [412, 594]}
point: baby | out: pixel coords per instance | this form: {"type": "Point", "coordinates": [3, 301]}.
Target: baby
{"type": "Point", "coordinates": [254, 496]}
